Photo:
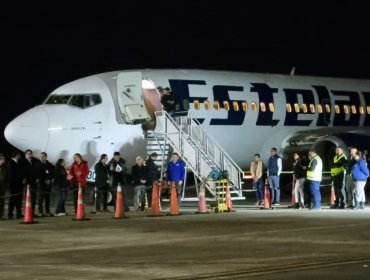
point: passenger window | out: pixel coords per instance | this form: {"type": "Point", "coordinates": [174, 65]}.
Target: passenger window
{"type": "Point", "coordinates": [216, 105]}
{"type": "Point", "coordinates": [196, 104]}
{"type": "Point", "coordinates": [288, 108]}
{"type": "Point", "coordinates": [226, 105]}
{"type": "Point", "coordinates": [236, 106]}
{"type": "Point", "coordinates": [346, 109]}
{"type": "Point", "coordinates": [319, 108]}
{"type": "Point", "coordinates": [337, 109]}
{"type": "Point", "coordinates": [207, 105]}
{"type": "Point", "coordinates": [271, 107]}
{"type": "Point", "coordinates": [245, 106]}
{"type": "Point", "coordinates": [368, 110]}
{"type": "Point", "coordinates": [304, 108]}
{"type": "Point", "coordinates": [327, 108]}
{"type": "Point", "coordinates": [353, 109]}
{"type": "Point", "coordinates": [263, 106]}
{"type": "Point", "coordinates": [312, 108]}
{"type": "Point", "coordinates": [361, 110]}
{"type": "Point", "coordinates": [254, 106]}
{"type": "Point", "coordinates": [296, 107]}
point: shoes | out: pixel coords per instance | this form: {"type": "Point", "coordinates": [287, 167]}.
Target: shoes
{"type": "Point", "coordinates": [38, 216]}
{"type": "Point", "coordinates": [127, 209]}
{"type": "Point", "coordinates": [60, 214]}
{"type": "Point", "coordinates": [276, 204]}
{"type": "Point", "coordinates": [315, 208]}
{"type": "Point", "coordinates": [50, 214]}
{"type": "Point", "coordinates": [19, 216]}
{"type": "Point", "coordinates": [106, 211]}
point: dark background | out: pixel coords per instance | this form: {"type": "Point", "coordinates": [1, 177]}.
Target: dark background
{"type": "Point", "coordinates": [45, 44]}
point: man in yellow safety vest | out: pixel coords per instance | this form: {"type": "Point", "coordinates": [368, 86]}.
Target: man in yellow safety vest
{"type": "Point", "coordinates": [338, 171]}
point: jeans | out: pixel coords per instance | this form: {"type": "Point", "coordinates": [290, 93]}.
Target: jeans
{"type": "Point", "coordinates": [316, 195]}
{"type": "Point", "coordinates": [260, 192]}
{"type": "Point", "coordinates": [349, 190]}
{"type": "Point", "coordinates": [299, 191]}
{"type": "Point", "coordinates": [61, 203]}
{"type": "Point", "coordinates": [274, 182]}
{"type": "Point", "coordinates": [359, 191]}
{"type": "Point", "coordinates": [139, 197]}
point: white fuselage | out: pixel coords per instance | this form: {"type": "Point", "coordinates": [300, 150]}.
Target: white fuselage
{"type": "Point", "coordinates": [64, 129]}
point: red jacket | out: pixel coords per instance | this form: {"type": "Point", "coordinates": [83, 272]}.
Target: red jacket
{"type": "Point", "coordinates": [84, 169]}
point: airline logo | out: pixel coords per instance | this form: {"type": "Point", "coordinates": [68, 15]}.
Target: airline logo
{"type": "Point", "coordinates": [180, 89]}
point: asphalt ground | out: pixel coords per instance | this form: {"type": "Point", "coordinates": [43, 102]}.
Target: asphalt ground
{"type": "Point", "coordinates": [250, 243]}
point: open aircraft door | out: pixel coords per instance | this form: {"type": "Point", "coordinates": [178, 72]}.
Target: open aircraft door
{"type": "Point", "coordinates": [130, 97]}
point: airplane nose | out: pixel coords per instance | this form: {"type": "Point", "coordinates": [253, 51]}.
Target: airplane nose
{"type": "Point", "coordinates": [29, 130]}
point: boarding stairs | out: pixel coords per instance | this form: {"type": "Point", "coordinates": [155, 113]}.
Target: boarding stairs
{"type": "Point", "coordinates": [199, 151]}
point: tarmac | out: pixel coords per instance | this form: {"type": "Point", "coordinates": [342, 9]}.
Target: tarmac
{"type": "Point", "coordinates": [250, 243]}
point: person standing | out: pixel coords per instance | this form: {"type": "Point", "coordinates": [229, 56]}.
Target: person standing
{"type": "Point", "coordinates": [28, 166]}
{"type": "Point", "coordinates": [77, 175]}
{"type": "Point", "coordinates": [101, 182]}
{"type": "Point", "coordinates": [359, 173]}
{"type": "Point", "coordinates": [337, 175]}
{"type": "Point", "coordinates": [60, 185]}
{"type": "Point", "coordinates": [117, 168]}
{"type": "Point", "coordinates": [176, 173]}
{"type": "Point", "coordinates": [299, 178]}
{"type": "Point", "coordinates": [3, 184]}
{"type": "Point", "coordinates": [45, 175]}
{"type": "Point", "coordinates": [15, 185]}
{"type": "Point", "coordinates": [153, 175]}
{"type": "Point", "coordinates": [314, 176]}
{"type": "Point", "coordinates": [140, 179]}
{"type": "Point", "coordinates": [349, 185]}
{"type": "Point", "coordinates": [257, 172]}
{"type": "Point", "coordinates": [274, 167]}
{"type": "Point", "coordinates": [168, 102]}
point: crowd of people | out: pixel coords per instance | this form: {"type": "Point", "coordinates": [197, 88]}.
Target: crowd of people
{"type": "Point", "coordinates": [348, 176]}
{"type": "Point", "coordinates": [45, 179]}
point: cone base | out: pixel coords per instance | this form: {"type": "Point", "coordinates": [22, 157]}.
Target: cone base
{"type": "Point", "coordinates": [84, 219]}
{"type": "Point", "coordinates": [201, 212]}
{"type": "Point", "coordinates": [118, 218]}
{"type": "Point", "coordinates": [160, 215]}
{"type": "Point", "coordinates": [169, 214]}
{"type": "Point", "coordinates": [25, 223]}
{"type": "Point", "coordinates": [265, 208]}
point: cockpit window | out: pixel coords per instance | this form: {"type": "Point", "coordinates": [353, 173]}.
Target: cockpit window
{"type": "Point", "coordinates": [81, 100]}
{"type": "Point", "coordinates": [58, 99]}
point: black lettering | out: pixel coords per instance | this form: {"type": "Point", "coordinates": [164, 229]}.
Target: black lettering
{"type": "Point", "coordinates": [291, 95]}
{"type": "Point", "coordinates": [221, 93]}
{"type": "Point", "coordinates": [340, 119]}
{"type": "Point", "coordinates": [265, 94]}
{"type": "Point", "coordinates": [324, 99]}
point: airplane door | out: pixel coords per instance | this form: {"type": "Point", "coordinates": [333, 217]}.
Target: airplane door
{"type": "Point", "coordinates": [130, 97]}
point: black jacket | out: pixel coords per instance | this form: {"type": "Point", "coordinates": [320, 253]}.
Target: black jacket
{"type": "Point", "coordinates": [45, 171]}
{"type": "Point", "coordinates": [101, 174]}
{"type": "Point", "coordinates": [15, 175]}
{"type": "Point", "coordinates": [139, 173]}
{"type": "Point", "coordinates": [29, 170]}
{"type": "Point", "coordinates": [153, 174]}
{"type": "Point", "coordinates": [60, 178]}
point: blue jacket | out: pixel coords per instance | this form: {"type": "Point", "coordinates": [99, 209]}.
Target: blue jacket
{"type": "Point", "coordinates": [360, 172]}
{"type": "Point", "coordinates": [175, 171]}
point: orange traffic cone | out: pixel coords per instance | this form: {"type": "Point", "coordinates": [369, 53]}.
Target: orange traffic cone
{"type": "Point", "coordinates": [174, 208]}
{"type": "Point", "coordinates": [155, 201]}
{"type": "Point", "coordinates": [28, 215]}
{"type": "Point", "coordinates": [267, 199]}
{"type": "Point", "coordinates": [202, 207]}
{"type": "Point", "coordinates": [120, 210]}
{"type": "Point", "coordinates": [80, 214]}
{"type": "Point", "coordinates": [332, 196]}
{"type": "Point", "coordinates": [229, 203]}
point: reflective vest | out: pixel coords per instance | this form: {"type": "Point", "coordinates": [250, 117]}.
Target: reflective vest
{"type": "Point", "coordinates": [339, 169]}
{"type": "Point", "coordinates": [316, 174]}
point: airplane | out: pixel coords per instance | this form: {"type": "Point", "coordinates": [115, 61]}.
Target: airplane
{"type": "Point", "coordinates": [246, 113]}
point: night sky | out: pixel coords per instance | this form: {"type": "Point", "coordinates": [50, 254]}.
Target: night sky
{"type": "Point", "coordinates": [45, 44]}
